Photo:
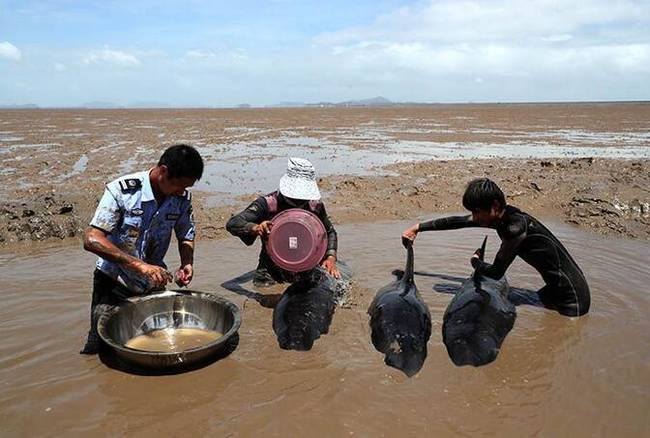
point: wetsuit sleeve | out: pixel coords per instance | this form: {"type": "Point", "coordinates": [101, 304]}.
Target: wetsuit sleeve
{"type": "Point", "coordinates": [505, 256]}
{"type": "Point", "coordinates": [184, 227]}
{"type": "Point", "coordinates": [448, 223]}
{"type": "Point", "coordinates": [332, 238]}
{"type": "Point", "coordinates": [241, 224]}
{"type": "Point", "coordinates": [108, 214]}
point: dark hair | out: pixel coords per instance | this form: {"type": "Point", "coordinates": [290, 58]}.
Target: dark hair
{"type": "Point", "coordinates": [481, 193]}
{"type": "Point", "coordinates": [182, 161]}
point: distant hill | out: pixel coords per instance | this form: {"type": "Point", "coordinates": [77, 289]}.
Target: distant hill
{"type": "Point", "coordinates": [288, 105]}
{"type": "Point", "coordinates": [24, 106]}
{"type": "Point", "coordinates": [98, 104]}
{"type": "Point", "coordinates": [148, 104]}
{"type": "Point", "coordinates": [373, 101]}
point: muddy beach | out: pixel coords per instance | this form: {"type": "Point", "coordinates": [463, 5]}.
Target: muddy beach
{"type": "Point", "coordinates": [583, 169]}
{"type": "Point", "coordinates": [587, 164]}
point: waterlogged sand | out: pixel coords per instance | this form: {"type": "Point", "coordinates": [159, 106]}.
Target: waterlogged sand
{"type": "Point", "coordinates": [554, 376]}
{"type": "Point", "coordinates": [587, 164]}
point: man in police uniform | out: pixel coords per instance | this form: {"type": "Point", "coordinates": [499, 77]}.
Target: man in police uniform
{"type": "Point", "coordinates": [131, 232]}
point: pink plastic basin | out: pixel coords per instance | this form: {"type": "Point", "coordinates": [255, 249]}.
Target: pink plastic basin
{"type": "Point", "coordinates": [297, 241]}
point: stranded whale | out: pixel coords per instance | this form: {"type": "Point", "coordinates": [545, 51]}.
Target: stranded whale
{"type": "Point", "coordinates": [400, 322]}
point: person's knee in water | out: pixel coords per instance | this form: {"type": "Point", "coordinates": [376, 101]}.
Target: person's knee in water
{"type": "Point", "coordinates": [131, 232]}
{"type": "Point", "coordinates": [297, 189]}
{"type": "Point", "coordinates": [521, 235]}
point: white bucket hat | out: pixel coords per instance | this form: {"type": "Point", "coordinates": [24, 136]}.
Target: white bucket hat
{"type": "Point", "coordinates": [300, 180]}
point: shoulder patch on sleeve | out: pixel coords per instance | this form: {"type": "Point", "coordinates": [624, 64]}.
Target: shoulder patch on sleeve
{"type": "Point", "coordinates": [130, 185]}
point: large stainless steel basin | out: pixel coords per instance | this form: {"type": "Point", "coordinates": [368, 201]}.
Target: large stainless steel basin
{"type": "Point", "coordinates": [171, 309]}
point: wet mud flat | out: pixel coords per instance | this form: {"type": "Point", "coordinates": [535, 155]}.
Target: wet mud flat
{"type": "Point", "coordinates": [554, 376]}
{"type": "Point", "coordinates": [587, 164]}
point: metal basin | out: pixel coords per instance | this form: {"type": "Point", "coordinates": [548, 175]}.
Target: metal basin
{"type": "Point", "coordinates": [171, 309]}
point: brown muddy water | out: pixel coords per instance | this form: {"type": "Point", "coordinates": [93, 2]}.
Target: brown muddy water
{"type": "Point", "coordinates": [172, 340]}
{"type": "Point", "coordinates": [555, 376]}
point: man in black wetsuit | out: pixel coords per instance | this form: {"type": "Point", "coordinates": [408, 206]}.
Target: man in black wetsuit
{"type": "Point", "coordinates": [522, 235]}
{"type": "Point", "coordinates": [298, 189]}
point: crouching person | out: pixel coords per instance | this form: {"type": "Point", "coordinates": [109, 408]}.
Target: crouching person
{"type": "Point", "coordinates": [522, 235]}
{"type": "Point", "coordinates": [297, 189]}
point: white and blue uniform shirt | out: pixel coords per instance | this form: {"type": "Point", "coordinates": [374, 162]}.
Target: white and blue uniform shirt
{"type": "Point", "coordinates": [135, 223]}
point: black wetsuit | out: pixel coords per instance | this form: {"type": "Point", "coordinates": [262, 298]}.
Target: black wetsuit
{"type": "Point", "coordinates": [522, 235]}
{"type": "Point", "coordinates": [241, 224]}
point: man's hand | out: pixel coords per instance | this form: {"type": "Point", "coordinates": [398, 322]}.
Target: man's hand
{"type": "Point", "coordinates": [410, 234]}
{"type": "Point", "coordinates": [184, 275]}
{"type": "Point", "coordinates": [263, 229]}
{"type": "Point", "coordinates": [157, 276]}
{"type": "Point", "coordinates": [478, 255]}
{"type": "Point", "coordinates": [329, 264]}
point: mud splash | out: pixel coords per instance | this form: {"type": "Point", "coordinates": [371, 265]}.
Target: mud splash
{"type": "Point", "coordinates": [554, 376]}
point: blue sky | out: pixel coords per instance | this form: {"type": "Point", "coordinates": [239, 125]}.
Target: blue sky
{"type": "Point", "coordinates": [217, 53]}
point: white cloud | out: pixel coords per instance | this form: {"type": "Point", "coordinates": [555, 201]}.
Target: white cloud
{"type": "Point", "coordinates": [495, 59]}
{"type": "Point", "coordinates": [200, 54]}
{"type": "Point", "coordinates": [507, 38]}
{"type": "Point", "coordinates": [212, 56]}
{"type": "Point", "coordinates": [110, 56]}
{"type": "Point", "coordinates": [557, 38]}
{"type": "Point", "coordinates": [457, 21]}
{"type": "Point", "coordinates": [9, 51]}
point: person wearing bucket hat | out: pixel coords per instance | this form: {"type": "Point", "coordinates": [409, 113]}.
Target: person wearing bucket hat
{"type": "Point", "coordinates": [297, 189]}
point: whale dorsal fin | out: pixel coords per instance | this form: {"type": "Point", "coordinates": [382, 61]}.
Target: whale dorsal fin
{"type": "Point", "coordinates": [481, 257]}
{"type": "Point", "coordinates": [407, 278]}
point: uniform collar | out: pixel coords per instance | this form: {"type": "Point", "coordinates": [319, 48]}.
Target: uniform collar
{"type": "Point", "coordinates": [147, 191]}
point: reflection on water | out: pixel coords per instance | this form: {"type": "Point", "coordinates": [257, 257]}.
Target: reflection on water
{"type": "Point", "coordinates": [555, 376]}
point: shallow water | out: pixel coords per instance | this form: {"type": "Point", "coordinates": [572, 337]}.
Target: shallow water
{"type": "Point", "coordinates": [555, 376]}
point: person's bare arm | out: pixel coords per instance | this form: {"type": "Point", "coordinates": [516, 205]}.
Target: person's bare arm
{"type": "Point", "coordinates": [95, 241]}
{"type": "Point", "coordinates": [185, 273]}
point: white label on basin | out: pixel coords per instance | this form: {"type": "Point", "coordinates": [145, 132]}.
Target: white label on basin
{"type": "Point", "coordinates": [293, 243]}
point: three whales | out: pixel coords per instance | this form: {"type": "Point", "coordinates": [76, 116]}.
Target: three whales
{"type": "Point", "coordinates": [475, 323]}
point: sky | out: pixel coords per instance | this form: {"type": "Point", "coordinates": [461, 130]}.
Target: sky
{"type": "Point", "coordinates": [225, 53]}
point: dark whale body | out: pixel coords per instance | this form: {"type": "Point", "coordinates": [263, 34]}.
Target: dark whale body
{"type": "Point", "coordinates": [478, 319]}
{"type": "Point", "coordinates": [305, 310]}
{"type": "Point", "coordinates": [401, 323]}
